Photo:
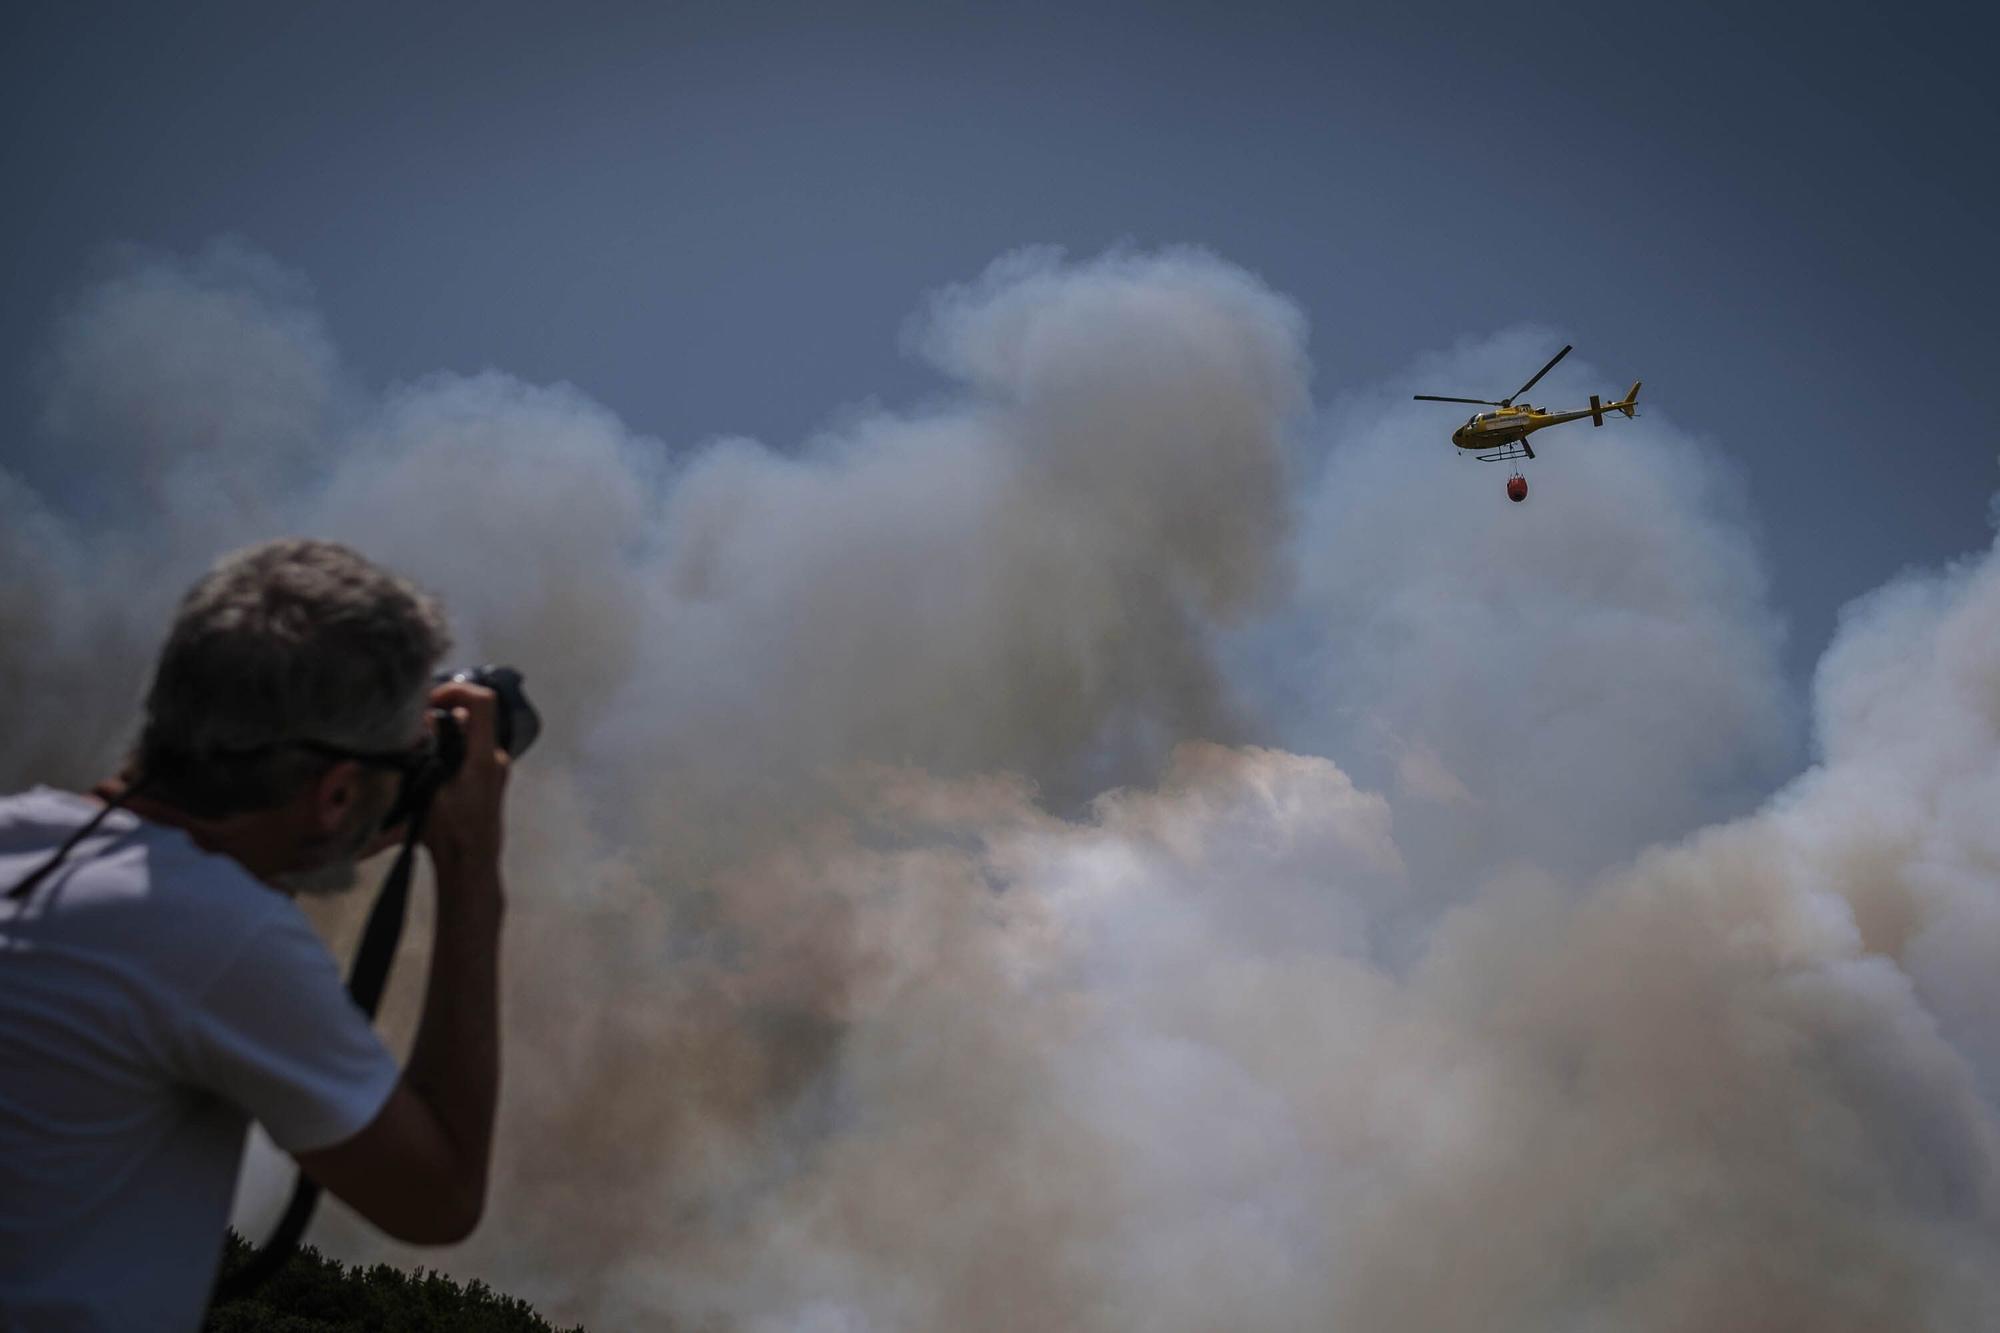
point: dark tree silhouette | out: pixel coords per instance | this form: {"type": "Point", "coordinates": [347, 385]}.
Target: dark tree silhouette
{"type": "Point", "coordinates": [314, 1294]}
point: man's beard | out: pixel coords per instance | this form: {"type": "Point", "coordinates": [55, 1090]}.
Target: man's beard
{"type": "Point", "coordinates": [340, 870]}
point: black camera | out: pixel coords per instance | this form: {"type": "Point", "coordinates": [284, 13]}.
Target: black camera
{"type": "Point", "coordinates": [515, 726]}
{"type": "Point", "coordinates": [515, 723]}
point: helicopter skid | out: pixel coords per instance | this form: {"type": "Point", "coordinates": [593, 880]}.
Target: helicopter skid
{"type": "Point", "coordinates": [1507, 452]}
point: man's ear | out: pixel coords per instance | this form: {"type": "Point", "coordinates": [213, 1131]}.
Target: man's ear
{"type": "Point", "coordinates": [334, 794]}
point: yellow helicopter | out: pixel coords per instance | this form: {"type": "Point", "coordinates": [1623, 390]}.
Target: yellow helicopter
{"type": "Point", "coordinates": [1503, 435]}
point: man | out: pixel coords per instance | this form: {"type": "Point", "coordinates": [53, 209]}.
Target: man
{"type": "Point", "coordinates": [159, 987]}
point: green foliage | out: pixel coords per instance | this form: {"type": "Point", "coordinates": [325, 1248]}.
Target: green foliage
{"type": "Point", "coordinates": [313, 1294]}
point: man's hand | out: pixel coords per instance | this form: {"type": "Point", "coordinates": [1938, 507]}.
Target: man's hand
{"type": "Point", "coordinates": [463, 833]}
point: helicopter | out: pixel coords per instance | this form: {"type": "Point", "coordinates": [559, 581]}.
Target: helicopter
{"type": "Point", "coordinates": [1503, 435]}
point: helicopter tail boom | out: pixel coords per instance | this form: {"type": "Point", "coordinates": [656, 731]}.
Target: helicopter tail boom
{"type": "Point", "coordinates": [1630, 398]}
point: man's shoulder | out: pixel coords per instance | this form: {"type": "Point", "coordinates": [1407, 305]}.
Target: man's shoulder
{"type": "Point", "coordinates": [143, 889]}
{"type": "Point", "coordinates": [41, 813]}
{"type": "Point", "coordinates": [46, 816]}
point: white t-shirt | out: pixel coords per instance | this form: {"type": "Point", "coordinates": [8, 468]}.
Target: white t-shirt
{"type": "Point", "coordinates": [153, 998]}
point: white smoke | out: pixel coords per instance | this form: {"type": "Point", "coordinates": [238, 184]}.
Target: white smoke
{"type": "Point", "coordinates": [908, 934]}
{"type": "Point", "coordinates": [1575, 677]}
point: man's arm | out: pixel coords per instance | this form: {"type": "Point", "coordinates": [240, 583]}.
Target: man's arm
{"type": "Point", "coordinates": [419, 1169]}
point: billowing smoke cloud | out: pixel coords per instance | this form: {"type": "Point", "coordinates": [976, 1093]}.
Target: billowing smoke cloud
{"type": "Point", "coordinates": [1564, 682]}
{"type": "Point", "coordinates": [1078, 856]}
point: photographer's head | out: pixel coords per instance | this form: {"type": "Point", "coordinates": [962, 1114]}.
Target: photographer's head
{"type": "Point", "coordinates": [294, 677]}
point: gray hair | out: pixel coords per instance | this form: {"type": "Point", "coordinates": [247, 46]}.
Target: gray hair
{"type": "Point", "coordinates": [292, 640]}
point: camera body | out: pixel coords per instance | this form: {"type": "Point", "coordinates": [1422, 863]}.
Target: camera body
{"type": "Point", "coordinates": [516, 724]}
{"type": "Point", "coordinates": [515, 721]}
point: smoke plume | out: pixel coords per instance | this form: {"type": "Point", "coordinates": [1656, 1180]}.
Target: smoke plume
{"type": "Point", "coordinates": [1114, 846]}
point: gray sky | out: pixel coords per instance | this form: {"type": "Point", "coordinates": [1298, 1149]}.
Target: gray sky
{"type": "Point", "coordinates": [716, 218]}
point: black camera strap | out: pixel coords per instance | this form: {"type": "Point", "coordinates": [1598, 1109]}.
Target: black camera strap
{"type": "Point", "coordinates": [366, 980]}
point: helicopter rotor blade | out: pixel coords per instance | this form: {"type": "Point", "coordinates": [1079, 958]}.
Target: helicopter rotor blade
{"type": "Point", "coordinates": [1433, 398]}
{"type": "Point", "coordinates": [1508, 401]}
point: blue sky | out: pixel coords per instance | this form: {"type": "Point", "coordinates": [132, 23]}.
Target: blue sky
{"type": "Point", "coordinates": [715, 219]}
